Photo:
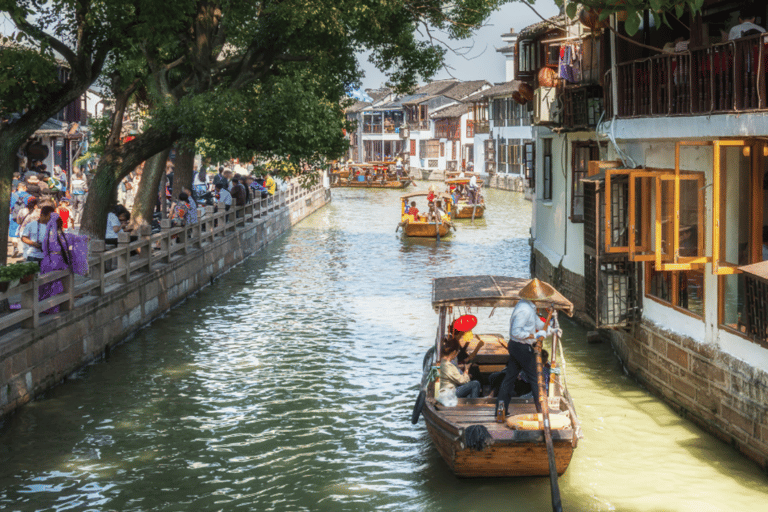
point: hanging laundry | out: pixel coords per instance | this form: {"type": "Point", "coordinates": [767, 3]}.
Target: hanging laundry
{"type": "Point", "coordinates": [569, 67]}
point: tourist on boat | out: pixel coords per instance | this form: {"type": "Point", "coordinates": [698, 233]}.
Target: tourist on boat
{"type": "Point", "coordinates": [413, 210]}
{"type": "Point", "coordinates": [522, 388]}
{"type": "Point", "coordinates": [431, 194]}
{"type": "Point", "coordinates": [450, 375]}
{"type": "Point", "coordinates": [525, 327]}
{"type": "Point", "coordinates": [472, 193]}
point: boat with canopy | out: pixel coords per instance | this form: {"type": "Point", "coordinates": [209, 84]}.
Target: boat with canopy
{"type": "Point", "coordinates": [426, 223]}
{"type": "Point", "coordinates": [373, 175]}
{"type": "Point", "coordinates": [463, 207]}
{"type": "Point", "coordinates": [467, 434]}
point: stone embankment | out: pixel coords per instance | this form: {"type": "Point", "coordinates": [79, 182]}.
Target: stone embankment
{"type": "Point", "coordinates": [130, 286]}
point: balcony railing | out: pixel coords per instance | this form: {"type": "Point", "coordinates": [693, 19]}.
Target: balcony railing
{"type": "Point", "coordinates": [727, 77]}
{"type": "Point", "coordinates": [482, 126]}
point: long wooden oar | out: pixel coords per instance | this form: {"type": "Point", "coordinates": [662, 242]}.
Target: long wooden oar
{"type": "Point", "coordinates": [555, 488]}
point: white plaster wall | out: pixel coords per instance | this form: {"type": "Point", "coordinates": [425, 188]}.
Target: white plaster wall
{"type": "Point", "coordinates": [721, 125]}
{"type": "Point", "coordinates": [550, 216]}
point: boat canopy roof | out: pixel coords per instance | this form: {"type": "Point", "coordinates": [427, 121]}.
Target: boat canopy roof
{"type": "Point", "coordinates": [441, 195]}
{"type": "Point", "coordinates": [461, 181]}
{"type": "Point", "coordinates": [488, 291]}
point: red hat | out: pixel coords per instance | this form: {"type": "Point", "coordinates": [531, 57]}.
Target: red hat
{"type": "Point", "coordinates": [465, 323]}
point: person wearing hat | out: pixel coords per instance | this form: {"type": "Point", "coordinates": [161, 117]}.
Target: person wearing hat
{"type": "Point", "coordinates": [525, 328]}
{"type": "Point", "coordinates": [33, 185]}
{"type": "Point", "coordinates": [451, 377]}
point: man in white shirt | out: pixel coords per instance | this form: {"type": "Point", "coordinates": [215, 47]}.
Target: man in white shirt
{"type": "Point", "coordinates": [525, 328]}
{"type": "Point", "coordinates": [223, 196]}
{"type": "Point", "coordinates": [472, 194]}
{"type": "Point", "coordinates": [746, 23]}
{"type": "Point", "coordinates": [33, 234]}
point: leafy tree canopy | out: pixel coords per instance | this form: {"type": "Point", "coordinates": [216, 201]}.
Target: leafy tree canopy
{"type": "Point", "coordinates": [661, 10]}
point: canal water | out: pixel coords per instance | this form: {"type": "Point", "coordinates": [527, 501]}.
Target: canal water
{"type": "Point", "coordinates": [288, 385]}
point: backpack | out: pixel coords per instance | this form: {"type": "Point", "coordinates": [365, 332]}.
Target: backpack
{"type": "Point", "coordinates": [21, 201]}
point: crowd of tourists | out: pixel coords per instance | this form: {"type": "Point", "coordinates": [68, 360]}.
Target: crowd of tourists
{"type": "Point", "coordinates": [46, 209]}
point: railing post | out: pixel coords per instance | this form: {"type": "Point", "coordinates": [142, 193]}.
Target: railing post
{"type": "Point", "coordinates": [29, 300]}
{"type": "Point", "coordinates": [97, 248]}
{"type": "Point", "coordinates": [69, 289]}
{"type": "Point", "coordinates": [145, 233]}
{"type": "Point", "coordinates": [124, 256]}
{"type": "Point", "coordinates": [165, 241]}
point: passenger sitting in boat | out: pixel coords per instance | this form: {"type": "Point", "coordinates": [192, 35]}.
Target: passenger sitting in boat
{"type": "Point", "coordinates": [522, 386]}
{"type": "Point", "coordinates": [450, 375]}
{"type": "Point", "coordinates": [413, 210]}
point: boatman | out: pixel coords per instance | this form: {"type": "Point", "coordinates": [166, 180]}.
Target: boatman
{"type": "Point", "coordinates": [472, 195]}
{"type": "Point", "coordinates": [525, 328]}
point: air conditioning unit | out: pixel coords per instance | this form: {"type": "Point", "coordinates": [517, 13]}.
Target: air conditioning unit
{"type": "Point", "coordinates": [543, 101]}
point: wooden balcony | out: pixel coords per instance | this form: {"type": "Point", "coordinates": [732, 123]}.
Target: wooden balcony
{"type": "Point", "coordinates": [722, 78]}
{"type": "Point", "coordinates": [482, 126]}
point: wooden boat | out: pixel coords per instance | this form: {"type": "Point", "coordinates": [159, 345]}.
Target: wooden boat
{"type": "Point", "coordinates": [392, 184]}
{"type": "Point", "coordinates": [463, 209]}
{"type": "Point", "coordinates": [506, 452]}
{"type": "Point", "coordinates": [421, 227]}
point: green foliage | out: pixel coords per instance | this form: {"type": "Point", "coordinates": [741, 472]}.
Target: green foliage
{"type": "Point", "coordinates": [18, 270]}
{"type": "Point", "coordinates": [26, 77]}
{"type": "Point", "coordinates": [661, 10]}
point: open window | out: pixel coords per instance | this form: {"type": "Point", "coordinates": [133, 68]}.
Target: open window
{"type": "Point", "coordinates": [656, 215]}
{"type": "Point", "coordinates": [738, 198]}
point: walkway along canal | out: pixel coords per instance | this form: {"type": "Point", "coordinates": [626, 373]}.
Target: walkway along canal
{"type": "Point", "coordinates": [288, 385]}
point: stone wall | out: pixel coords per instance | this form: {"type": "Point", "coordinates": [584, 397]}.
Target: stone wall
{"type": "Point", "coordinates": [724, 395]}
{"type": "Point", "coordinates": [33, 360]}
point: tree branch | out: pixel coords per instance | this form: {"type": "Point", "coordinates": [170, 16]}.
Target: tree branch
{"type": "Point", "coordinates": [42, 36]}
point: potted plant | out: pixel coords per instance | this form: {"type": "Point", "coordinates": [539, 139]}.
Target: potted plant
{"type": "Point", "coordinates": [12, 275]}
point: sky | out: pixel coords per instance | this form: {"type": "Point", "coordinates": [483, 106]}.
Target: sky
{"type": "Point", "coordinates": [482, 62]}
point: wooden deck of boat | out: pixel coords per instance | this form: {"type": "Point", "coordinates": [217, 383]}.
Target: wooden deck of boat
{"type": "Point", "coordinates": [511, 452]}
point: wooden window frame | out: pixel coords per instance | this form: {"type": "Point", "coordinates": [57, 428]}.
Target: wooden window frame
{"type": "Point", "coordinates": [442, 149]}
{"type": "Point", "coordinates": [647, 252]}
{"type": "Point", "coordinates": [721, 267]}
{"type": "Point", "coordinates": [674, 291]}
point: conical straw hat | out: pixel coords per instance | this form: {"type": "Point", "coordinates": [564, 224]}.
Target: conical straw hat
{"type": "Point", "coordinates": [536, 290]}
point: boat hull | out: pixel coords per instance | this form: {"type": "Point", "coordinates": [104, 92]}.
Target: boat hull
{"type": "Point", "coordinates": [465, 211]}
{"type": "Point", "coordinates": [511, 453]}
{"type": "Point", "coordinates": [375, 184]}
{"type": "Point", "coordinates": [426, 229]}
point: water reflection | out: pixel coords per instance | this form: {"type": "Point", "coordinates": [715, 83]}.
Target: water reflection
{"type": "Point", "coordinates": [288, 385]}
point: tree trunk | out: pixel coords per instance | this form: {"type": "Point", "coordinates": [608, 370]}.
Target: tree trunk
{"type": "Point", "coordinates": [184, 170]}
{"type": "Point", "coordinates": [8, 162]}
{"type": "Point", "coordinates": [146, 195]}
{"type": "Point", "coordinates": [116, 163]}
{"type": "Point", "coordinates": [102, 196]}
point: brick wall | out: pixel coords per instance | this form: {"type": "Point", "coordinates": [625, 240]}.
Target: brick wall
{"type": "Point", "coordinates": [34, 360]}
{"type": "Point", "coordinates": [722, 394]}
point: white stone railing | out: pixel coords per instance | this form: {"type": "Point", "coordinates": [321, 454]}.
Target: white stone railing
{"type": "Point", "coordinates": [109, 269]}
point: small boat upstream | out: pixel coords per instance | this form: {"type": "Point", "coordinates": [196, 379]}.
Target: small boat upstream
{"type": "Point", "coordinates": [431, 222]}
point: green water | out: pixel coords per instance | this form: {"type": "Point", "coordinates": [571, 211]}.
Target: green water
{"type": "Point", "coordinates": [288, 385]}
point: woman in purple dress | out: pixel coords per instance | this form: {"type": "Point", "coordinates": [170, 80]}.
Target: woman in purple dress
{"type": "Point", "coordinates": [56, 255]}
